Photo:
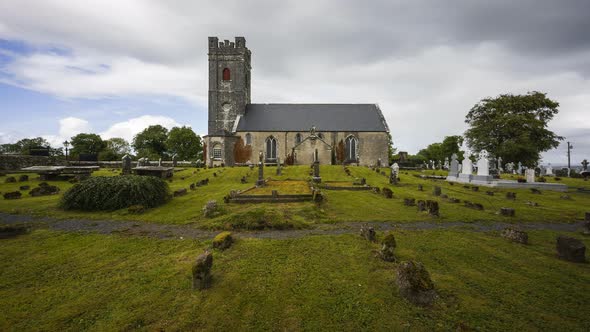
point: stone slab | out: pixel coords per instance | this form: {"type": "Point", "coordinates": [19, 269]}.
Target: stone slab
{"type": "Point", "coordinates": [511, 184]}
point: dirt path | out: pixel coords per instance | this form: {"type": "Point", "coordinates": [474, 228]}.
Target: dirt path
{"type": "Point", "coordinates": [161, 231]}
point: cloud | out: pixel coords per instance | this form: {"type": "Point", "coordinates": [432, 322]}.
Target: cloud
{"type": "Point", "coordinates": [425, 62]}
{"type": "Point", "coordinates": [128, 129]}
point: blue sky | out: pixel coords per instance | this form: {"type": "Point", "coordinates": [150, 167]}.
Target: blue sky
{"type": "Point", "coordinates": [114, 67]}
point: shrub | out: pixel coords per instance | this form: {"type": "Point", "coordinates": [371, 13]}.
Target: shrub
{"type": "Point", "coordinates": [116, 192]}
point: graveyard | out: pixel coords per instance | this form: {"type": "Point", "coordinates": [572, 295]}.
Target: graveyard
{"type": "Point", "coordinates": [295, 259]}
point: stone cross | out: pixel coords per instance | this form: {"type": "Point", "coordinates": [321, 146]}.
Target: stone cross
{"type": "Point", "coordinates": [126, 164]}
{"type": "Point", "coordinates": [585, 165]}
{"type": "Point", "coordinates": [483, 164]}
{"type": "Point", "coordinates": [467, 167]}
{"type": "Point", "coordinates": [549, 170]}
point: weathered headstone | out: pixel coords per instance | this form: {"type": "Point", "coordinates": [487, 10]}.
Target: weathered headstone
{"type": "Point", "coordinates": [570, 249]}
{"type": "Point", "coordinates": [23, 178]}
{"type": "Point", "coordinates": [394, 173]}
{"type": "Point", "coordinates": [436, 191]}
{"type": "Point", "coordinates": [279, 168]}
{"type": "Point", "coordinates": [409, 201]}
{"type": "Point", "coordinates": [433, 208]}
{"type": "Point", "coordinates": [483, 167]}
{"type": "Point", "coordinates": [316, 168]}
{"type": "Point", "coordinates": [210, 208]}
{"type": "Point", "coordinates": [368, 233]}
{"type": "Point", "coordinates": [174, 160]}
{"type": "Point", "coordinates": [12, 195]}
{"type": "Point", "coordinates": [222, 241]}
{"type": "Point", "coordinates": [126, 165]}
{"type": "Point", "coordinates": [202, 271]}
{"type": "Point", "coordinates": [515, 235]}
{"type": "Point", "coordinates": [388, 193]}
{"type": "Point", "coordinates": [414, 283]}
{"type": "Point", "coordinates": [179, 192]}
{"type": "Point", "coordinates": [388, 245]}
{"type": "Point", "coordinates": [511, 195]}
{"type": "Point", "coordinates": [585, 164]}
{"type": "Point", "coordinates": [549, 170]}
{"type": "Point", "coordinates": [454, 166]}
{"type": "Point", "coordinates": [421, 205]}
{"type": "Point", "coordinates": [260, 181]}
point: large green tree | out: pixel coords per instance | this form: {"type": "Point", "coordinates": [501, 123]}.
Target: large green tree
{"type": "Point", "coordinates": [445, 149]}
{"type": "Point", "coordinates": [513, 127]}
{"type": "Point", "coordinates": [24, 145]}
{"type": "Point", "coordinates": [183, 142]}
{"type": "Point", "coordinates": [87, 143]}
{"type": "Point", "coordinates": [151, 142]}
{"type": "Point", "coordinates": [116, 148]}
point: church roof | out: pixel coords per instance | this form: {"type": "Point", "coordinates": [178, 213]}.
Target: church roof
{"type": "Point", "coordinates": [301, 117]}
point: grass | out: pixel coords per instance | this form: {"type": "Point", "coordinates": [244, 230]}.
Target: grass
{"type": "Point", "coordinates": [68, 281]}
{"type": "Point", "coordinates": [340, 206]}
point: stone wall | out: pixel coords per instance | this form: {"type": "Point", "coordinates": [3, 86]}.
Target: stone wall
{"type": "Point", "coordinates": [371, 146]}
{"type": "Point", "coordinates": [16, 162]}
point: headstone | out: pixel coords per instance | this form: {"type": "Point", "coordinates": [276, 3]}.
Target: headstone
{"type": "Point", "coordinates": [414, 283]}
{"type": "Point", "coordinates": [179, 192]}
{"type": "Point", "coordinates": [388, 245]}
{"type": "Point", "coordinates": [436, 191]}
{"type": "Point", "coordinates": [202, 271]}
{"type": "Point", "coordinates": [571, 249]}
{"type": "Point", "coordinates": [519, 169]}
{"type": "Point", "coordinates": [210, 208]}
{"type": "Point", "coordinates": [316, 168]}
{"type": "Point", "coordinates": [432, 207]}
{"type": "Point", "coordinates": [549, 170]}
{"type": "Point", "coordinates": [500, 168]}
{"type": "Point", "coordinates": [12, 195]}
{"type": "Point", "coordinates": [454, 166]}
{"type": "Point", "coordinates": [368, 233]}
{"type": "Point", "coordinates": [585, 164]}
{"type": "Point", "coordinates": [126, 161]}
{"type": "Point", "coordinates": [409, 201]}
{"type": "Point", "coordinates": [279, 168]}
{"type": "Point", "coordinates": [174, 160]}
{"type": "Point", "coordinates": [394, 173]}
{"type": "Point", "coordinates": [160, 162]}
{"type": "Point", "coordinates": [483, 167]}
{"type": "Point", "coordinates": [466, 169]}
{"type": "Point", "coordinates": [379, 162]}
{"type": "Point", "coordinates": [421, 205]}
{"type": "Point", "coordinates": [388, 193]}
{"type": "Point", "coordinates": [260, 181]}
{"type": "Point", "coordinates": [530, 175]}
{"type": "Point", "coordinates": [507, 212]}
{"type": "Point", "coordinates": [446, 165]}
{"type": "Point", "coordinates": [515, 235]}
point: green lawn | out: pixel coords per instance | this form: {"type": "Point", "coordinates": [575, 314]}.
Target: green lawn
{"type": "Point", "coordinates": [67, 281]}
{"type": "Point", "coordinates": [339, 205]}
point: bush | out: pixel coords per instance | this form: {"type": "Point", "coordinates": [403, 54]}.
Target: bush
{"type": "Point", "coordinates": [116, 192]}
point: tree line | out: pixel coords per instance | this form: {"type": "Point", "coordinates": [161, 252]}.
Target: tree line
{"type": "Point", "coordinates": [153, 142]}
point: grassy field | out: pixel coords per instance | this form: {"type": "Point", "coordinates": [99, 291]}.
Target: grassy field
{"type": "Point", "coordinates": [339, 205]}
{"type": "Point", "coordinates": [68, 281]}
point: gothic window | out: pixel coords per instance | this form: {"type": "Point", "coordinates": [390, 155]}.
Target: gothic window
{"type": "Point", "coordinates": [351, 148]}
{"type": "Point", "coordinates": [298, 138]}
{"type": "Point", "coordinates": [271, 148]}
{"type": "Point", "coordinates": [226, 74]}
{"type": "Point", "coordinates": [217, 152]}
{"type": "Point", "coordinates": [248, 139]}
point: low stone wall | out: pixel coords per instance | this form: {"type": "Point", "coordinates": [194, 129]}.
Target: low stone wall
{"type": "Point", "coordinates": [119, 164]}
{"type": "Point", "coordinates": [16, 162]}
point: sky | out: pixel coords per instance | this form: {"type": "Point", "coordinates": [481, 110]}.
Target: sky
{"type": "Point", "coordinates": [116, 67]}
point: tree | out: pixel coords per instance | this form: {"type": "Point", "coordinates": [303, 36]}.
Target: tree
{"type": "Point", "coordinates": [86, 143]}
{"type": "Point", "coordinates": [183, 142]}
{"type": "Point", "coordinates": [116, 148]}
{"type": "Point", "coordinates": [24, 145]}
{"type": "Point", "coordinates": [440, 151]}
{"type": "Point", "coordinates": [151, 142]}
{"type": "Point", "coordinates": [513, 127]}
{"type": "Point", "coordinates": [391, 150]}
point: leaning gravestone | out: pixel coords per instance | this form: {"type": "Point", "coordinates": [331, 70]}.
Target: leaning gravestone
{"type": "Point", "coordinates": [570, 249]}
{"type": "Point", "coordinates": [202, 271]}
{"type": "Point", "coordinates": [414, 283]}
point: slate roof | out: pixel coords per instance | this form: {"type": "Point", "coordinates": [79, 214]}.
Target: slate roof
{"type": "Point", "coordinates": [301, 117]}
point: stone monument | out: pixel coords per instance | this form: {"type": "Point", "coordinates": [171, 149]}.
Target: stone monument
{"type": "Point", "coordinates": [530, 175]}
{"type": "Point", "coordinates": [279, 169]}
{"type": "Point", "coordinates": [174, 160]}
{"type": "Point", "coordinates": [466, 168]}
{"type": "Point", "coordinates": [126, 165]}
{"type": "Point", "coordinates": [260, 181]}
{"type": "Point", "coordinates": [483, 167]}
{"type": "Point", "coordinates": [454, 166]}
{"type": "Point", "coordinates": [394, 173]}
{"type": "Point", "coordinates": [316, 167]}
{"type": "Point", "coordinates": [549, 170]}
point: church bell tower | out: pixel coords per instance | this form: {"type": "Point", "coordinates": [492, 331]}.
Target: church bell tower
{"type": "Point", "coordinates": [229, 93]}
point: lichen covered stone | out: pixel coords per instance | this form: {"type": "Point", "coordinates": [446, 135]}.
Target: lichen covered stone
{"type": "Point", "coordinates": [223, 240]}
{"type": "Point", "coordinates": [414, 283]}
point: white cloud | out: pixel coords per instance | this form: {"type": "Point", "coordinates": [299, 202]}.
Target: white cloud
{"type": "Point", "coordinates": [128, 129]}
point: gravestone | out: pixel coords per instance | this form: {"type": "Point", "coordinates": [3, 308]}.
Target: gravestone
{"type": "Point", "coordinates": [483, 167]}
{"type": "Point", "coordinates": [279, 168]}
{"type": "Point", "coordinates": [570, 249]}
{"type": "Point", "coordinates": [414, 283]}
{"type": "Point", "coordinates": [500, 168]}
{"type": "Point", "coordinates": [388, 245]}
{"type": "Point", "coordinates": [467, 169]}
{"type": "Point", "coordinates": [260, 181]}
{"type": "Point", "coordinates": [446, 164]}
{"type": "Point", "coordinates": [368, 233]}
{"type": "Point", "coordinates": [160, 162]}
{"type": "Point", "coordinates": [126, 161]}
{"type": "Point", "coordinates": [507, 212]}
{"type": "Point", "coordinates": [519, 169]}
{"type": "Point", "coordinates": [394, 173]}
{"type": "Point", "coordinates": [436, 191]}
{"type": "Point", "coordinates": [585, 164]}
{"type": "Point", "coordinates": [549, 170]}
{"type": "Point", "coordinates": [530, 175]}
{"type": "Point", "coordinates": [515, 235]}
{"type": "Point", "coordinates": [454, 166]}
{"type": "Point", "coordinates": [316, 168]}
{"type": "Point", "coordinates": [202, 271]}
{"type": "Point", "coordinates": [174, 160]}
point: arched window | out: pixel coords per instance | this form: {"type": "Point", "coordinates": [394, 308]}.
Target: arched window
{"type": "Point", "coordinates": [248, 139]}
{"type": "Point", "coordinates": [271, 148]}
{"type": "Point", "coordinates": [226, 74]}
{"type": "Point", "coordinates": [351, 148]}
{"type": "Point", "coordinates": [298, 138]}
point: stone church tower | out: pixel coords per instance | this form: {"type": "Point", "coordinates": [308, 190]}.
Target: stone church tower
{"type": "Point", "coordinates": [229, 93]}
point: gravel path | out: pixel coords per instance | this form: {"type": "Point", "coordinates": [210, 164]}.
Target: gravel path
{"type": "Point", "coordinates": [136, 228]}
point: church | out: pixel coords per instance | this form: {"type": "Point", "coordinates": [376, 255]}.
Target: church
{"type": "Point", "coordinates": [285, 133]}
